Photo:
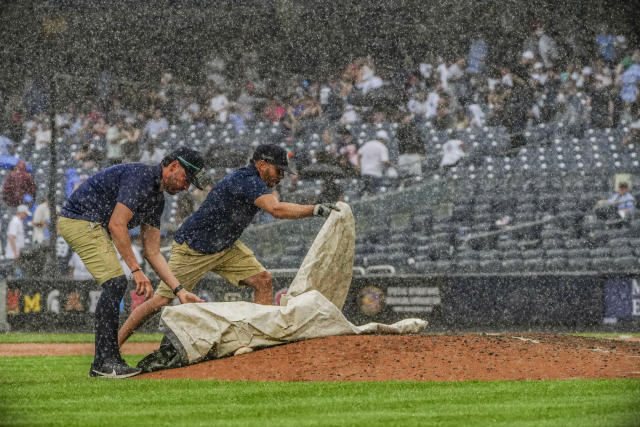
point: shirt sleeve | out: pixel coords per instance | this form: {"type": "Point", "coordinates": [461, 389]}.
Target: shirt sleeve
{"type": "Point", "coordinates": [384, 155]}
{"type": "Point", "coordinates": [254, 188]}
{"type": "Point", "coordinates": [153, 219]}
{"type": "Point", "coordinates": [134, 189]}
{"type": "Point", "coordinates": [12, 229]}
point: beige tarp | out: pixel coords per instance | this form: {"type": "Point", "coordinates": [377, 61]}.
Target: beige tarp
{"type": "Point", "coordinates": [312, 308]}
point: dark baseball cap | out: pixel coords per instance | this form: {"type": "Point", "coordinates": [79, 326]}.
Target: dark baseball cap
{"type": "Point", "coordinates": [192, 163]}
{"type": "Point", "coordinates": [272, 154]}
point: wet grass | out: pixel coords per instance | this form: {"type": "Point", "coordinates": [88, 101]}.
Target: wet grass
{"type": "Point", "coordinates": [18, 337]}
{"type": "Point", "coordinates": [608, 335]}
{"type": "Point", "coordinates": [56, 391]}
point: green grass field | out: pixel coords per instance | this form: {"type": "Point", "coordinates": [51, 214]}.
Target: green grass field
{"type": "Point", "coordinates": [56, 391]}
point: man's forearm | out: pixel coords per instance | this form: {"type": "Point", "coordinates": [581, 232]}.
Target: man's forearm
{"type": "Point", "coordinates": [284, 210]}
{"type": "Point", "coordinates": [120, 238]}
{"type": "Point", "coordinates": [161, 267]}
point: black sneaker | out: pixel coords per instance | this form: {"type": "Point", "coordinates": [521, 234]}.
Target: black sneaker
{"type": "Point", "coordinates": [113, 369]}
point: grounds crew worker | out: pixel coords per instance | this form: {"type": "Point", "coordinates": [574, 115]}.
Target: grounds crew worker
{"type": "Point", "coordinates": [97, 216]}
{"type": "Point", "coordinates": [208, 239]}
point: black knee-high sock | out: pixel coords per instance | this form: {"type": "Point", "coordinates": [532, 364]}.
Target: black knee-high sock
{"type": "Point", "coordinates": [106, 320]}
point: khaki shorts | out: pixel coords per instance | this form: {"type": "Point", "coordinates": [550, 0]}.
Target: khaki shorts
{"type": "Point", "coordinates": [189, 266]}
{"type": "Point", "coordinates": [94, 246]}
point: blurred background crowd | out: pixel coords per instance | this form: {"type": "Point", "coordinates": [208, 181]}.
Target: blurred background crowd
{"type": "Point", "coordinates": [358, 115]}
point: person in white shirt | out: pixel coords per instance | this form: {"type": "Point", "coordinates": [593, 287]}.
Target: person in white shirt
{"type": "Point", "coordinates": [451, 152]}
{"type": "Point", "coordinates": [42, 136]}
{"type": "Point", "coordinates": [15, 233]}
{"type": "Point", "coordinates": [40, 221]}
{"type": "Point", "coordinates": [219, 105]}
{"type": "Point", "coordinates": [418, 105]}
{"type": "Point", "coordinates": [157, 126]}
{"type": "Point", "coordinates": [367, 80]}
{"type": "Point", "coordinates": [153, 154]}
{"type": "Point", "coordinates": [373, 156]}
{"type": "Point", "coordinates": [77, 269]}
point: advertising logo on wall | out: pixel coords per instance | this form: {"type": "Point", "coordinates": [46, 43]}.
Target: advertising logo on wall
{"type": "Point", "coordinates": [621, 300]}
{"type": "Point", "coordinates": [371, 300]}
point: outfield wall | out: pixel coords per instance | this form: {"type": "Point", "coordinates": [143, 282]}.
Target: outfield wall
{"type": "Point", "coordinates": [457, 302]}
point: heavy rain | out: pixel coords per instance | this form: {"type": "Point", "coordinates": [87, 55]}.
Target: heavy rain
{"type": "Point", "coordinates": [460, 166]}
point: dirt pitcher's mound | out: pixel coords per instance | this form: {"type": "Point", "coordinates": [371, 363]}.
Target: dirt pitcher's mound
{"type": "Point", "coordinates": [434, 357]}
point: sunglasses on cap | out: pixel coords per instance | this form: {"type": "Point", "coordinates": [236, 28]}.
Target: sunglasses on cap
{"type": "Point", "coordinates": [195, 174]}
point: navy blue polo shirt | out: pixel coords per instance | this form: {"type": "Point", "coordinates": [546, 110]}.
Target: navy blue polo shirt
{"type": "Point", "coordinates": [225, 213]}
{"type": "Point", "coordinates": [135, 185]}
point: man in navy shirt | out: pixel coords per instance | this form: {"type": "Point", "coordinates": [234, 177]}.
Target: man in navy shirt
{"type": "Point", "coordinates": [208, 239]}
{"type": "Point", "coordinates": [97, 216]}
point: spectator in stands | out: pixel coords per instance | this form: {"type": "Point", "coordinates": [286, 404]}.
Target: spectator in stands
{"type": "Point", "coordinates": [606, 44]}
{"type": "Point", "coordinates": [153, 154]}
{"type": "Point", "coordinates": [248, 100]}
{"type": "Point", "coordinates": [77, 269]}
{"type": "Point", "coordinates": [571, 110]}
{"type": "Point", "coordinates": [418, 105]}
{"type": "Point", "coordinates": [274, 110]}
{"type": "Point", "coordinates": [347, 150]}
{"type": "Point", "coordinates": [237, 118]}
{"type": "Point", "coordinates": [189, 110]}
{"type": "Point", "coordinates": [6, 145]}
{"type": "Point", "coordinates": [444, 118]}
{"type": "Point", "coordinates": [366, 80]}
{"type": "Point", "coordinates": [165, 96]}
{"type": "Point", "coordinates": [42, 133]}
{"type": "Point", "coordinates": [331, 192]}
{"type": "Point", "coordinates": [73, 181]}
{"type": "Point", "coordinates": [15, 233]}
{"type": "Point", "coordinates": [451, 152]}
{"type": "Point", "coordinates": [218, 105]}
{"type": "Point", "coordinates": [600, 93]}
{"type": "Point", "coordinates": [633, 136]}
{"type": "Point", "coordinates": [131, 137]}
{"type": "Point", "coordinates": [518, 103]}
{"type": "Point", "coordinates": [88, 155]}
{"type": "Point", "coordinates": [18, 183]}
{"type": "Point", "coordinates": [330, 101]}
{"type": "Point", "coordinates": [410, 148]}
{"type": "Point", "coordinates": [349, 116]}
{"type": "Point", "coordinates": [628, 82]}
{"type": "Point", "coordinates": [619, 206]}
{"type": "Point", "coordinates": [373, 156]}
{"type": "Point", "coordinates": [547, 47]}
{"type": "Point", "coordinates": [114, 139]}
{"type": "Point", "coordinates": [100, 127]}
{"type": "Point", "coordinates": [291, 119]}
{"type": "Point", "coordinates": [157, 126]}
{"type": "Point", "coordinates": [478, 52]}
{"type": "Point", "coordinates": [40, 221]}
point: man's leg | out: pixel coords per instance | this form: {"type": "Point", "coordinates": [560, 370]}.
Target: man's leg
{"type": "Point", "coordinates": [262, 287]}
{"type": "Point", "coordinates": [93, 244]}
{"type": "Point", "coordinates": [139, 315]}
{"type": "Point", "coordinates": [106, 320]}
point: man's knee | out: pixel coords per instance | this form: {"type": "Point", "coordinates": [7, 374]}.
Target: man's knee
{"type": "Point", "coordinates": [262, 281]}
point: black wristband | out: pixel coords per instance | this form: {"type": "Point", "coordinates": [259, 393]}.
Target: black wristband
{"type": "Point", "coordinates": [177, 289]}
{"type": "Point", "coordinates": [137, 269]}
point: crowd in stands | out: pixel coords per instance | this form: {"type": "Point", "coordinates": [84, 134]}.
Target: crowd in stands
{"type": "Point", "coordinates": [539, 85]}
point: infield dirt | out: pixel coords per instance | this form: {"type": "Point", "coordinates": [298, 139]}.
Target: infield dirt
{"type": "Point", "coordinates": [387, 357]}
